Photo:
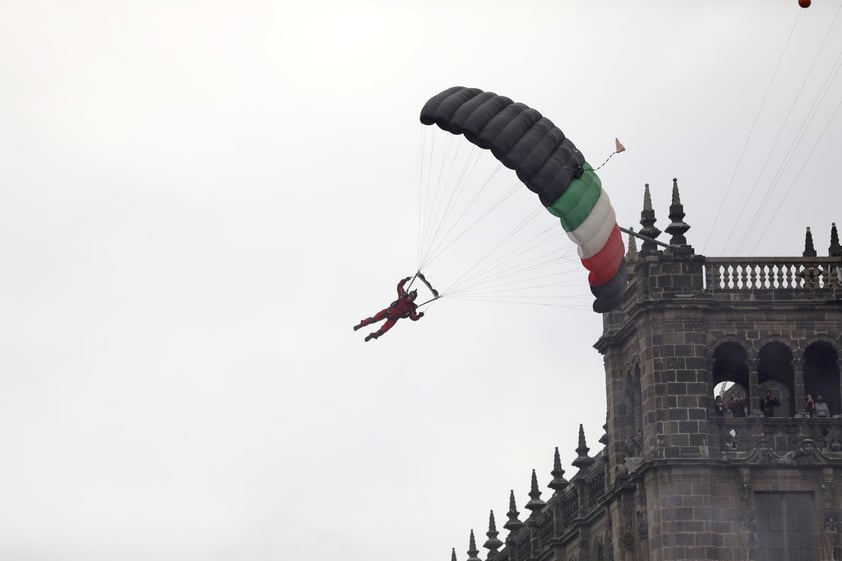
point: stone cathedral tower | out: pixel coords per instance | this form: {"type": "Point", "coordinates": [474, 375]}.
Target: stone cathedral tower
{"type": "Point", "coordinates": [675, 480]}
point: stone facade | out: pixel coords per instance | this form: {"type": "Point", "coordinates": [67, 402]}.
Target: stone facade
{"type": "Point", "coordinates": [675, 481]}
{"type": "Point", "coordinates": [697, 474]}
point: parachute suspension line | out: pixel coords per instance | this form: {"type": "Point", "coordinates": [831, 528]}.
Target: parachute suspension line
{"type": "Point", "coordinates": [517, 228]}
{"type": "Point", "coordinates": [507, 264]}
{"type": "Point", "coordinates": [444, 187]}
{"type": "Point", "coordinates": [487, 277]}
{"type": "Point", "coordinates": [421, 188]}
{"type": "Point", "coordinates": [522, 287]}
{"type": "Point", "coordinates": [436, 217]}
{"type": "Point", "coordinates": [522, 249]}
{"type": "Point", "coordinates": [521, 293]}
{"type": "Point", "coordinates": [423, 196]}
{"type": "Point", "coordinates": [454, 286]}
{"type": "Point", "coordinates": [438, 209]}
{"type": "Point", "coordinates": [431, 300]}
{"type": "Point", "coordinates": [829, 79]}
{"type": "Point", "coordinates": [750, 134]}
{"type": "Point", "coordinates": [465, 210]}
{"type": "Point", "coordinates": [525, 301]}
{"type": "Point", "coordinates": [455, 193]}
{"type": "Point", "coordinates": [433, 192]}
{"type": "Point", "coordinates": [515, 288]}
{"type": "Point", "coordinates": [439, 194]}
{"type": "Point", "coordinates": [498, 128]}
{"type": "Point", "coordinates": [447, 217]}
{"type": "Point", "coordinates": [438, 250]}
{"type": "Point", "coordinates": [517, 279]}
{"type": "Point", "coordinates": [501, 279]}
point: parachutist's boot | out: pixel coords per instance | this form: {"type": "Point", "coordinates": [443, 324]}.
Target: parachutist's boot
{"type": "Point", "coordinates": [372, 336]}
{"type": "Point", "coordinates": [363, 323]}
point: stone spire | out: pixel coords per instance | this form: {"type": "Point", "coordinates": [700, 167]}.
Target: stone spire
{"type": "Point", "coordinates": [453, 554]}
{"type": "Point", "coordinates": [835, 250]}
{"type": "Point", "coordinates": [513, 524]}
{"type": "Point", "coordinates": [583, 460]}
{"type": "Point", "coordinates": [809, 249]}
{"type": "Point", "coordinates": [492, 544]}
{"type": "Point", "coordinates": [677, 227]}
{"type": "Point", "coordinates": [647, 220]}
{"type": "Point", "coordinates": [631, 254]}
{"type": "Point", "coordinates": [472, 548]}
{"type": "Point", "coordinates": [535, 503]}
{"type": "Point", "coordinates": [559, 482]}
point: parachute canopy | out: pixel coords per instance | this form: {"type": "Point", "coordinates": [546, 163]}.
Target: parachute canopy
{"type": "Point", "coordinates": [550, 166]}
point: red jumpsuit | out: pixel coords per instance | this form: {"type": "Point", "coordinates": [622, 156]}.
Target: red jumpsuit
{"type": "Point", "coordinates": [403, 307]}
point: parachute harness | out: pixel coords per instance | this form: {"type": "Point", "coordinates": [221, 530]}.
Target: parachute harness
{"type": "Point", "coordinates": [419, 275]}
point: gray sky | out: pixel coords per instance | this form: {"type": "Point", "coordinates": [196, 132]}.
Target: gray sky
{"type": "Point", "coordinates": [198, 199]}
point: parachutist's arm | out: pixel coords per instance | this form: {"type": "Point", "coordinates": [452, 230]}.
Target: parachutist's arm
{"type": "Point", "coordinates": [401, 291]}
{"type": "Point", "coordinates": [415, 316]}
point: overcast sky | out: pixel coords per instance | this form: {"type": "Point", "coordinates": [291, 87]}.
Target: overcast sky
{"type": "Point", "coordinates": [198, 199]}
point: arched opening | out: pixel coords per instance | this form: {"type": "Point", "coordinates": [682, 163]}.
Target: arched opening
{"type": "Point", "coordinates": [775, 374]}
{"type": "Point", "coordinates": [821, 375]}
{"type": "Point", "coordinates": [730, 378]}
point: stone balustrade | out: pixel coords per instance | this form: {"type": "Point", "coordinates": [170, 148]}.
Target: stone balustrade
{"type": "Point", "coordinates": [732, 274]}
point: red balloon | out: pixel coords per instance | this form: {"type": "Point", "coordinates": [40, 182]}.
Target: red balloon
{"type": "Point", "coordinates": [804, 3]}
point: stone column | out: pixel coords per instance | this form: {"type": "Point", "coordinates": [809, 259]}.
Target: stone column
{"type": "Point", "coordinates": [754, 385]}
{"type": "Point", "coordinates": [799, 391]}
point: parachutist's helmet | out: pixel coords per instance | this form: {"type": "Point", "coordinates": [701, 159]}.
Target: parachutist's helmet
{"type": "Point", "coordinates": [413, 294]}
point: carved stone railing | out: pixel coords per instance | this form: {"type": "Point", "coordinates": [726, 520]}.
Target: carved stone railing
{"type": "Point", "coordinates": [730, 274]}
{"type": "Point", "coordinates": [570, 505]}
{"type": "Point", "coordinates": [740, 435]}
{"type": "Point", "coordinates": [596, 486]}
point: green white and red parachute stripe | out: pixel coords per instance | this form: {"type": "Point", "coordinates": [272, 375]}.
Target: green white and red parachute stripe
{"type": "Point", "coordinates": [550, 166]}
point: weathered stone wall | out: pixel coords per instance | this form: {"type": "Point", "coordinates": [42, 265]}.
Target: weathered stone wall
{"type": "Point", "coordinates": [699, 479]}
{"type": "Point", "coordinates": [676, 483]}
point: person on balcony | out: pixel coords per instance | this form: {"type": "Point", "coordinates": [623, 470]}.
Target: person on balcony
{"type": "Point", "coordinates": [737, 406]}
{"type": "Point", "coordinates": [768, 404]}
{"type": "Point", "coordinates": [822, 409]}
{"type": "Point", "coordinates": [719, 407]}
{"type": "Point", "coordinates": [810, 406]}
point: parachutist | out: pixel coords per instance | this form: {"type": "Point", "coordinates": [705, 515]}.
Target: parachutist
{"type": "Point", "coordinates": [403, 307]}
